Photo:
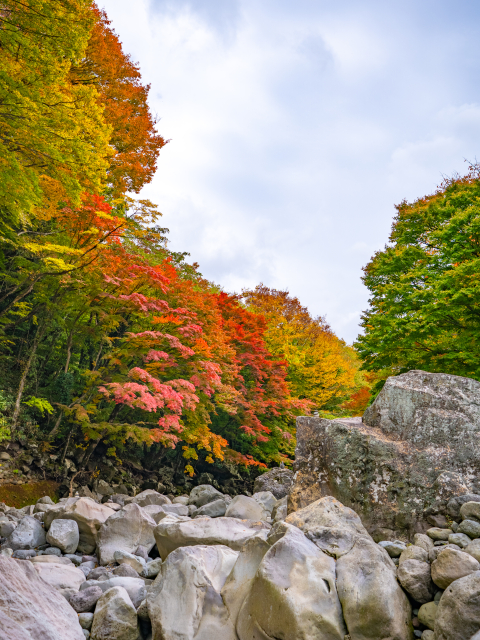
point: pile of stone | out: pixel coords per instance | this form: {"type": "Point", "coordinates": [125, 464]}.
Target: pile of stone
{"type": "Point", "coordinates": [205, 566]}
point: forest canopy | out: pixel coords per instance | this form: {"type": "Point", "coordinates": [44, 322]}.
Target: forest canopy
{"type": "Point", "coordinates": [107, 338]}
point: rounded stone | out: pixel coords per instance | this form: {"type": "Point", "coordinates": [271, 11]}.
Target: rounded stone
{"type": "Point", "coordinates": [452, 565]}
{"type": "Point", "coordinates": [470, 527]}
{"type": "Point", "coordinates": [436, 534]}
{"type": "Point", "coordinates": [460, 539]}
{"type": "Point", "coordinates": [427, 614]}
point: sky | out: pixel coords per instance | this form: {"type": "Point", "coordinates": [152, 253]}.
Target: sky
{"type": "Point", "coordinates": [296, 126]}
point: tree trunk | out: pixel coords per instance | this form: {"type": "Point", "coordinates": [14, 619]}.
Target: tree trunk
{"type": "Point", "coordinates": [23, 379]}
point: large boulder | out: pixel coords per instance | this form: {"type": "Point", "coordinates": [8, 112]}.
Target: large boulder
{"type": "Point", "coordinates": [231, 532]}
{"type": "Point", "coordinates": [417, 447]}
{"type": "Point", "coordinates": [27, 535]}
{"type": "Point", "coordinates": [458, 614]}
{"type": "Point", "coordinates": [451, 565]}
{"type": "Point", "coordinates": [293, 595]}
{"type": "Point", "coordinates": [89, 516]}
{"type": "Point", "coordinates": [203, 494]}
{"type": "Point", "coordinates": [115, 617]}
{"type": "Point", "coordinates": [278, 480]}
{"type": "Point", "coordinates": [245, 508]}
{"type": "Point", "coordinates": [329, 524]}
{"type": "Point", "coordinates": [60, 576]}
{"type": "Point", "coordinates": [125, 530]}
{"type": "Point", "coordinates": [374, 606]}
{"type": "Point", "coordinates": [149, 496]}
{"type": "Point", "coordinates": [415, 577]}
{"type": "Point", "coordinates": [64, 534]}
{"type": "Point", "coordinates": [30, 609]}
{"type": "Point", "coordinates": [239, 581]}
{"type": "Point", "coordinates": [185, 601]}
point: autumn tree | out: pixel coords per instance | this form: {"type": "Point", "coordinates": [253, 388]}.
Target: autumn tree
{"type": "Point", "coordinates": [321, 367]}
{"type": "Point", "coordinates": [425, 286]}
{"type": "Point", "coordinates": [49, 126]}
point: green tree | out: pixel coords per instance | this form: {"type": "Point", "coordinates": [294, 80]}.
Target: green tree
{"type": "Point", "coordinates": [425, 306]}
{"type": "Point", "coordinates": [54, 140]}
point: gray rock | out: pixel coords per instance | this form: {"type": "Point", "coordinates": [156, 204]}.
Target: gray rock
{"type": "Point", "coordinates": [277, 480]}
{"type": "Point", "coordinates": [455, 504]}
{"type": "Point", "coordinates": [152, 569]}
{"type": "Point", "coordinates": [125, 571]}
{"type": "Point", "coordinates": [96, 573]}
{"type": "Point", "coordinates": [330, 525]}
{"type": "Point", "coordinates": [414, 576]}
{"type": "Point", "coordinates": [427, 614]}
{"type": "Point", "coordinates": [458, 614]}
{"type": "Point", "coordinates": [374, 606]}
{"type": "Point", "coordinates": [85, 600]}
{"type": "Point", "coordinates": [473, 549]}
{"type": "Point", "coordinates": [85, 620]}
{"type": "Point", "coordinates": [123, 557]}
{"type": "Point", "coordinates": [203, 494]}
{"type": "Point", "coordinates": [266, 499]}
{"type": "Point", "coordinates": [115, 617]}
{"type": "Point", "coordinates": [470, 511]}
{"type": "Point", "coordinates": [230, 532]}
{"type": "Point", "coordinates": [452, 565]}
{"type": "Point", "coordinates": [135, 587]}
{"type": "Point", "coordinates": [176, 509]}
{"type": "Point", "coordinates": [280, 510]}
{"type": "Point", "coordinates": [413, 552]}
{"type": "Point", "coordinates": [459, 539]}
{"type": "Point", "coordinates": [214, 509]}
{"type": "Point", "coordinates": [74, 558]}
{"type": "Point", "coordinates": [428, 635]}
{"type": "Point", "coordinates": [470, 527]}
{"type": "Point", "coordinates": [24, 554]}
{"type": "Point", "coordinates": [393, 548]}
{"type": "Point", "coordinates": [149, 496]}
{"type": "Point", "coordinates": [31, 609]}
{"type": "Point", "coordinates": [125, 530]}
{"type": "Point", "coordinates": [181, 500]}
{"type": "Point", "coordinates": [27, 535]}
{"type": "Point", "coordinates": [103, 488]}
{"type": "Point", "coordinates": [297, 580]}
{"type": "Point", "coordinates": [86, 633]}
{"type": "Point", "coordinates": [239, 581]}
{"type": "Point", "coordinates": [64, 534]}
{"type": "Point", "coordinates": [419, 423]}
{"type": "Point", "coordinates": [53, 551]}
{"type": "Point", "coordinates": [437, 534]}
{"type": "Point", "coordinates": [45, 500]}
{"type": "Point", "coordinates": [7, 527]}
{"type": "Point", "coordinates": [433, 553]}
{"type": "Point", "coordinates": [185, 601]}
{"type": "Point", "coordinates": [245, 508]}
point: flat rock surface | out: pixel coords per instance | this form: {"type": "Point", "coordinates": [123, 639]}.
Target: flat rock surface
{"type": "Point", "coordinates": [30, 609]}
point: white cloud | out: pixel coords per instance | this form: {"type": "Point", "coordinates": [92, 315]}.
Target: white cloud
{"type": "Point", "coordinates": [295, 128]}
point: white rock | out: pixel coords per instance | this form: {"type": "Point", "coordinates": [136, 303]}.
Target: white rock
{"type": "Point", "coordinates": [266, 499]}
{"type": "Point", "coordinates": [245, 508]}
{"type": "Point", "coordinates": [135, 587]}
{"type": "Point", "coordinates": [149, 496]}
{"type": "Point", "coordinates": [123, 557]}
{"type": "Point", "coordinates": [88, 514]}
{"type": "Point", "coordinates": [115, 617]}
{"type": "Point", "coordinates": [230, 532]}
{"type": "Point", "coordinates": [50, 560]}
{"type": "Point", "coordinates": [60, 576]}
{"type": "Point", "coordinates": [329, 524]}
{"type": "Point", "coordinates": [185, 601]}
{"type": "Point", "coordinates": [30, 609]}
{"type": "Point", "coordinates": [374, 605]}
{"type": "Point", "coordinates": [293, 594]}
{"type": "Point", "coordinates": [125, 530]}
{"type": "Point", "coordinates": [152, 569]}
{"type": "Point", "coordinates": [239, 582]}
{"type": "Point", "coordinates": [64, 534]}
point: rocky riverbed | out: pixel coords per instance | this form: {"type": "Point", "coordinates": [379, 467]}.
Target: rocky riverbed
{"type": "Point", "coordinates": [207, 566]}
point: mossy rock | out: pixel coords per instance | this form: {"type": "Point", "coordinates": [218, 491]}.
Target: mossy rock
{"type": "Point", "coordinates": [21, 495]}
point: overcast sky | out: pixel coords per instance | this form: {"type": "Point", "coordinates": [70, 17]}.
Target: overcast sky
{"type": "Point", "coordinates": [297, 125]}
